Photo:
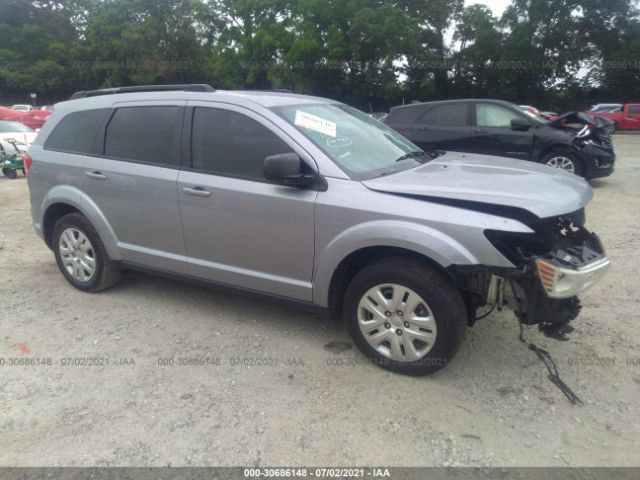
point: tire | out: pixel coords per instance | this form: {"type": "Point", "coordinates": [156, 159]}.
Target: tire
{"type": "Point", "coordinates": [611, 129]}
{"type": "Point", "coordinates": [78, 254]}
{"type": "Point", "coordinates": [10, 173]}
{"type": "Point", "coordinates": [557, 159]}
{"type": "Point", "coordinates": [441, 305]}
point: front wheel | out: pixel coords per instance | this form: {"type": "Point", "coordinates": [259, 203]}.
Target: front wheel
{"type": "Point", "coordinates": [405, 316]}
{"type": "Point", "coordinates": [563, 161]}
{"type": "Point", "coordinates": [81, 256]}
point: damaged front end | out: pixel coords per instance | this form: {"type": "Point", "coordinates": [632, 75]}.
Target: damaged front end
{"type": "Point", "coordinates": [555, 263]}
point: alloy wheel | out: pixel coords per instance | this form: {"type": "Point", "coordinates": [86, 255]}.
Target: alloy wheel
{"type": "Point", "coordinates": [563, 163]}
{"type": "Point", "coordinates": [77, 254]}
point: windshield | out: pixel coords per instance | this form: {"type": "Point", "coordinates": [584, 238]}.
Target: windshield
{"type": "Point", "coordinates": [360, 145]}
{"type": "Point", "coordinates": [10, 127]}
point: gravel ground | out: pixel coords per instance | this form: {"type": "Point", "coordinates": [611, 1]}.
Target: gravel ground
{"type": "Point", "coordinates": [309, 398]}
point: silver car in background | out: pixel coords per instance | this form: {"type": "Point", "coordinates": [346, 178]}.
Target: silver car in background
{"type": "Point", "coordinates": [309, 201]}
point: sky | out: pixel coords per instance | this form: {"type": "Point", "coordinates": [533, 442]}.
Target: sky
{"type": "Point", "coordinates": [497, 6]}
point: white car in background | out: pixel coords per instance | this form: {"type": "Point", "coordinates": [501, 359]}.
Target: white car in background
{"type": "Point", "coordinates": [18, 132]}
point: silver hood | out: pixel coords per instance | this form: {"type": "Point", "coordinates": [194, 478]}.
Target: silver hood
{"type": "Point", "coordinates": [544, 191]}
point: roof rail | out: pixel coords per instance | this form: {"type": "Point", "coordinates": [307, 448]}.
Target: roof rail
{"type": "Point", "coordinates": [273, 90]}
{"type": "Point", "coordinates": [194, 87]}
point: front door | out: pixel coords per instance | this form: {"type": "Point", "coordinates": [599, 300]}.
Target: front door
{"type": "Point", "coordinates": [240, 229]}
{"type": "Point", "coordinates": [493, 135]}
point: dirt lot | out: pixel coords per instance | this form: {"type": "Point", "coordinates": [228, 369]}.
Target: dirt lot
{"type": "Point", "coordinates": [304, 400]}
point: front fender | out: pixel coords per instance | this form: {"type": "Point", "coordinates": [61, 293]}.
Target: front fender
{"type": "Point", "coordinates": [421, 239]}
{"type": "Point", "coordinates": [76, 198]}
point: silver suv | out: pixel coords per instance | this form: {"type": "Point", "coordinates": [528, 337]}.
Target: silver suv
{"type": "Point", "coordinates": [310, 201]}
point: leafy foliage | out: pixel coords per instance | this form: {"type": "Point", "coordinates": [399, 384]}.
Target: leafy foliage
{"type": "Point", "coordinates": [370, 53]}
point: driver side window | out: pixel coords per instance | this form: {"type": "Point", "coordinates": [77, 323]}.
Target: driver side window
{"type": "Point", "coordinates": [488, 115]}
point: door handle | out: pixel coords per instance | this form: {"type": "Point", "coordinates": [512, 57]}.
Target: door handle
{"type": "Point", "coordinates": [196, 191]}
{"type": "Point", "coordinates": [95, 175]}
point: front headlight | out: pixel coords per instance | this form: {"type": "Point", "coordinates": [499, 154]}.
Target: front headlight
{"type": "Point", "coordinates": [562, 282]}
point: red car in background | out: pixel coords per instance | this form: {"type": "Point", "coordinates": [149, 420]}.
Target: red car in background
{"type": "Point", "coordinates": [33, 119]}
{"type": "Point", "coordinates": [626, 117]}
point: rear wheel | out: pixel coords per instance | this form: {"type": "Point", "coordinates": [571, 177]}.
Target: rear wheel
{"type": "Point", "coordinates": [564, 161]}
{"type": "Point", "coordinates": [611, 129]}
{"type": "Point", "coordinates": [81, 256]}
{"type": "Point", "coordinates": [405, 316]}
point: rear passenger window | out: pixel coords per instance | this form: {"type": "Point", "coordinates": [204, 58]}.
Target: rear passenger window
{"type": "Point", "coordinates": [230, 143]}
{"type": "Point", "coordinates": [76, 132]}
{"type": "Point", "coordinates": [453, 115]}
{"type": "Point", "coordinates": [143, 134]}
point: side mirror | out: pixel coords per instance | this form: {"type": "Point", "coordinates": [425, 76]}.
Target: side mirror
{"type": "Point", "coordinates": [286, 169]}
{"type": "Point", "coordinates": [520, 124]}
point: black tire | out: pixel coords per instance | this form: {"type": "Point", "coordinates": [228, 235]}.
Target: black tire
{"type": "Point", "coordinates": [10, 173]}
{"type": "Point", "coordinates": [443, 299]}
{"type": "Point", "coordinates": [106, 274]}
{"type": "Point", "coordinates": [578, 168]}
{"type": "Point", "coordinates": [611, 129]}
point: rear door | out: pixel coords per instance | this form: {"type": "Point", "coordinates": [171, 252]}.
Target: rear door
{"type": "Point", "coordinates": [132, 176]}
{"type": "Point", "coordinates": [440, 127]}
{"type": "Point", "coordinates": [239, 228]}
{"type": "Point", "coordinates": [493, 135]}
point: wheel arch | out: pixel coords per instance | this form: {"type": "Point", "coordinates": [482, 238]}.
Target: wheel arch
{"type": "Point", "coordinates": [360, 245]}
{"type": "Point", "coordinates": [359, 259]}
{"type": "Point", "coordinates": [554, 147]}
{"type": "Point", "coordinates": [562, 148]}
{"type": "Point", "coordinates": [62, 200]}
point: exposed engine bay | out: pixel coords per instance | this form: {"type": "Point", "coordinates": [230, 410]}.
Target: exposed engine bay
{"type": "Point", "coordinates": [553, 264]}
{"type": "Point", "coordinates": [588, 130]}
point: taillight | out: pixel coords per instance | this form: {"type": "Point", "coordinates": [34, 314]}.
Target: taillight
{"type": "Point", "coordinates": [27, 162]}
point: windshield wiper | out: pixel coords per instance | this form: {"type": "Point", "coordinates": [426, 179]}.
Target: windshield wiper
{"type": "Point", "coordinates": [416, 153]}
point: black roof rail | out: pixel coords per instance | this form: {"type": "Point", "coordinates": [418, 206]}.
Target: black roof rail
{"type": "Point", "coordinates": [273, 90]}
{"type": "Point", "coordinates": [194, 87]}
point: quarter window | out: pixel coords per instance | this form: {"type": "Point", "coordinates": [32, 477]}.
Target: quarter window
{"type": "Point", "coordinates": [76, 132]}
{"type": "Point", "coordinates": [494, 116]}
{"type": "Point", "coordinates": [230, 143]}
{"type": "Point", "coordinates": [143, 134]}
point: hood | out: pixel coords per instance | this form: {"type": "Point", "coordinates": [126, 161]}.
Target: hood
{"type": "Point", "coordinates": [464, 179]}
{"type": "Point", "coordinates": [575, 118]}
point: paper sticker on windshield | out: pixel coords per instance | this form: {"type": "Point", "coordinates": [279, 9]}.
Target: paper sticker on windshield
{"type": "Point", "coordinates": [317, 124]}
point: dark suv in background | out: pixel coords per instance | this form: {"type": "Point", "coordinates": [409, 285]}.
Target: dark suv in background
{"type": "Point", "coordinates": [495, 127]}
